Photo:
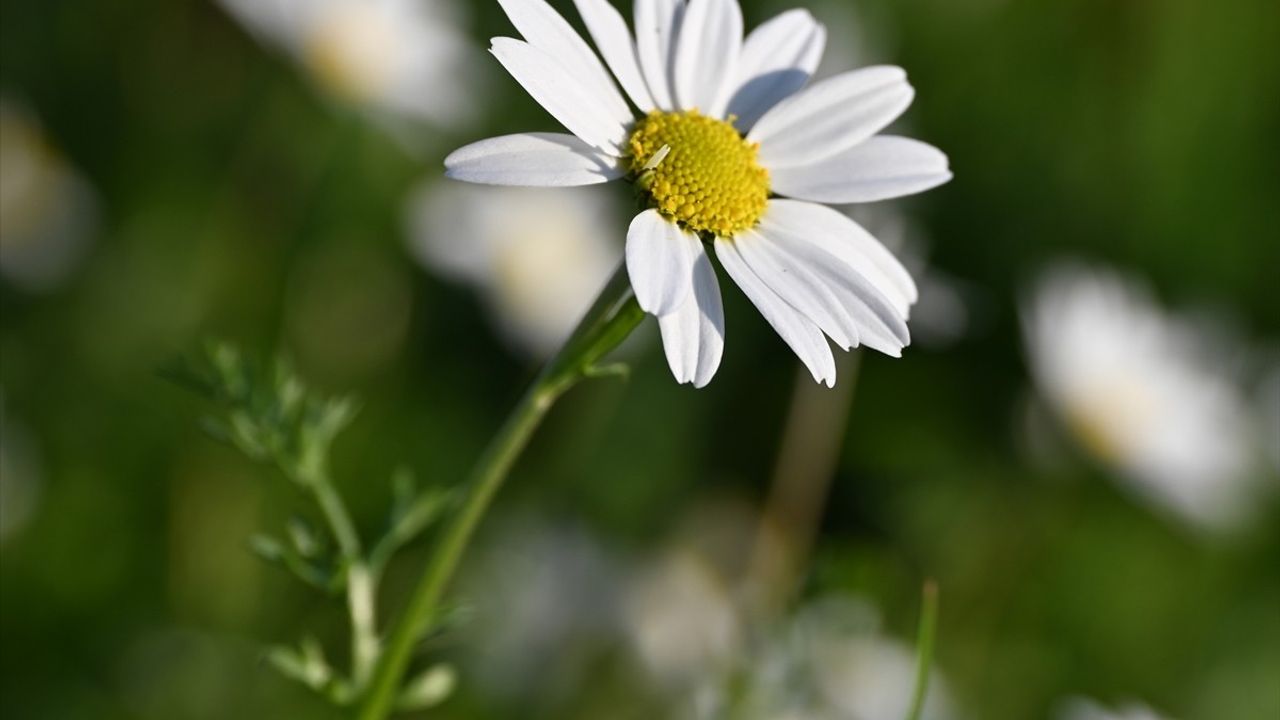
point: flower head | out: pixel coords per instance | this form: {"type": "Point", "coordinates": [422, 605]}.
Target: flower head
{"type": "Point", "coordinates": [1139, 391]}
{"type": "Point", "coordinates": [711, 184]}
{"type": "Point", "coordinates": [721, 127]}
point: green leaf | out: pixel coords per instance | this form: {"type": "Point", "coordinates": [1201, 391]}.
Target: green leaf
{"type": "Point", "coordinates": [267, 548]}
{"type": "Point", "coordinates": [411, 515]}
{"type": "Point", "coordinates": [304, 537]}
{"type": "Point", "coordinates": [311, 573]}
{"type": "Point", "coordinates": [305, 664]}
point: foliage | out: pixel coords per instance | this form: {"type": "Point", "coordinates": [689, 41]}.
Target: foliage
{"type": "Point", "coordinates": [271, 416]}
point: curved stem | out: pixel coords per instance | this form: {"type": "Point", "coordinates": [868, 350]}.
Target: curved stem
{"type": "Point", "coordinates": [335, 513]}
{"type": "Point", "coordinates": [360, 582]}
{"type": "Point", "coordinates": [609, 321]}
{"type": "Point", "coordinates": [807, 460]}
{"type": "Point", "coordinates": [924, 648]}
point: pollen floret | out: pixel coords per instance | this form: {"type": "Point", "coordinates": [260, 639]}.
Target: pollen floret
{"type": "Point", "coordinates": [709, 181]}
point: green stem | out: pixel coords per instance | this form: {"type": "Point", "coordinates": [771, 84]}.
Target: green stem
{"type": "Point", "coordinates": [360, 583]}
{"type": "Point", "coordinates": [609, 321]}
{"type": "Point", "coordinates": [361, 589]}
{"type": "Point", "coordinates": [924, 647]}
{"type": "Point", "coordinates": [335, 513]}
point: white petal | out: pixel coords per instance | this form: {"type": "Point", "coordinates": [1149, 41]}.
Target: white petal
{"type": "Point", "coordinates": [798, 332]}
{"type": "Point", "coordinates": [707, 55]}
{"type": "Point", "coordinates": [798, 286]}
{"type": "Point", "coordinates": [546, 30]}
{"type": "Point", "coordinates": [830, 116]}
{"type": "Point", "coordinates": [609, 31]}
{"type": "Point", "coordinates": [657, 27]}
{"type": "Point", "coordinates": [532, 160]}
{"type": "Point", "coordinates": [883, 167]}
{"type": "Point", "coordinates": [857, 304]}
{"type": "Point", "coordinates": [846, 240]}
{"type": "Point", "coordinates": [659, 262]}
{"type": "Point", "coordinates": [777, 59]}
{"type": "Point", "coordinates": [693, 335]}
{"type": "Point", "coordinates": [568, 101]}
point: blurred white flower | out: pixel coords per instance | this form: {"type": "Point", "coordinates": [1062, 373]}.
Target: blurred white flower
{"type": "Point", "coordinates": [537, 590]}
{"type": "Point", "coordinates": [1083, 709]}
{"type": "Point", "coordinates": [682, 620]}
{"type": "Point", "coordinates": [401, 59]}
{"type": "Point", "coordinates": [538, 257]}
{"type": "Point", "coordinates": [47, 210]}
{"type": "Point", "coordinates": [873, 678]}
{"type": "Point", "coordinates": [831, 662]}
{"type": "Point", "coordinates": [683, 613]}
{"type": "Point", "coordinates": [687, 618]}
{"type": "Point", "coordinates": [1142, 391]}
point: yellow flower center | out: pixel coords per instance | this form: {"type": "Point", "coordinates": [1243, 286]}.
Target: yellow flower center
{"type": "Point", "coordinates": [1109, 421]}
{"type": "Point", "coordinates": [708, 179]}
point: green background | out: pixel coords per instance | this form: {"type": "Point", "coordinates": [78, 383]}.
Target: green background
{"type": "Point", "coordinates": [237, 203]}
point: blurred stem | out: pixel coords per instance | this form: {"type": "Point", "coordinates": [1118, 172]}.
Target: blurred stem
{"type": "Point", "coordinates": [364, 635]}
{"type": "Point", "coordinates": [360, 585]}
{"type": "Point", "coordinates": [924, 647]}
{"type": "Point", "coordinates": [609, 321]}
{"type": "Point", "coordinates": [335, 514]}
{"type": "Point", "coordinates": [807, 460]}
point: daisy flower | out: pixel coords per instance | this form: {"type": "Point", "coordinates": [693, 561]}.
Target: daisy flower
{"type": "Point", "coordinates": [719, 130]}
{"type": "Point", "coordinates": [400, 59]}
{"type": "Point", "coordinates": [1141, 392]}
{"type": "Point", "coordinates": [536, 265]}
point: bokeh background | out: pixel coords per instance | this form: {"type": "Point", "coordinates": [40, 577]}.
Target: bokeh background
{"type": "Point", "coordinates": [198, 175]}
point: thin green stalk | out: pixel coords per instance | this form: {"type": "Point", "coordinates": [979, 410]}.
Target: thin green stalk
{"type": "Point", "coordinates": [807, 458]}
{"type": "Point", "coordinates": [360, 583]}
{"type": "Point", "coordinates": [924, 647]}
{"type": "Point", "coordinates": [609, 321]}
{"type": "Point", "coordinates": [361, 588]}
{"type": "Point", "coordinates": [335, 513]}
